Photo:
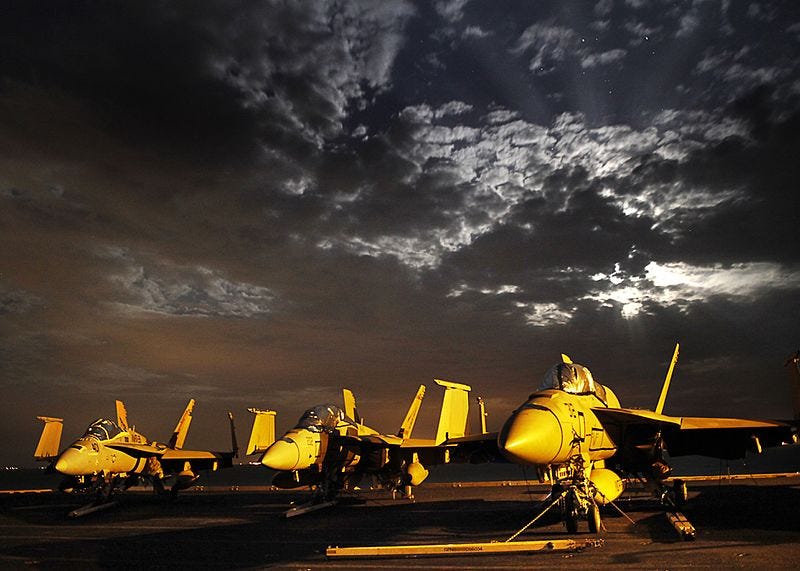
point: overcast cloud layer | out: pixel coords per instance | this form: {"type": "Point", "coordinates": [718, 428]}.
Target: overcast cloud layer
{"type": "Point", "coordinates": [256, 204]}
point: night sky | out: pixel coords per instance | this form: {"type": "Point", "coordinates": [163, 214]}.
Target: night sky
{"type": "Point", "coordinates": [258, 203]}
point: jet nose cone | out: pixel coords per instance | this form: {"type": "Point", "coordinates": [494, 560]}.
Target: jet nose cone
{"type": "Point", "coordinates": [531, 436]}
{"type": "Point", "coordinates": [71, 463]}
{"type": "Point", "coordinates": [283, 454]}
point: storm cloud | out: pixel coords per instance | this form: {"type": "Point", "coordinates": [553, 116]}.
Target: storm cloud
{"type": "Point", "coordinates": [259, 203]}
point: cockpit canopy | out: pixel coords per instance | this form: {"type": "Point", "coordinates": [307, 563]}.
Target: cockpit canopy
{"type": "Point", "coordinates": [572, 378]}
{"type": "Point", "coordinates": [321, 418]}
{"type": "Point", "coordinates": [102, 429]}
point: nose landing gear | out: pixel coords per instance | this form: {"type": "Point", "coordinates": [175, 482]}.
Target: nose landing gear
{"type": "Point", "coordinates": [577, 503]}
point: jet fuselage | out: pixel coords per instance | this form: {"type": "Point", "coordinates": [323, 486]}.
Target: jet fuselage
{"type": "Point", "coordinates": [553, 426]}
{"type": "Point", "coordinates": [90, 454]}
{"type": "Point", "coordinates": [298, 449]}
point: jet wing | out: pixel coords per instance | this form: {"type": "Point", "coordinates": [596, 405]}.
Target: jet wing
{"type": "Point", "coordinates": [474, 449]}
{"type": "Point", "coordinates": [199, 459]}
{"type": "Point", "coordinates": [379, 440]}
{"type": "Point", "coordinates": [726, 438]}
{"type": "Point", "coordinates": [418, 443]}
{"type": "Point", "coordinates": [138, 450]}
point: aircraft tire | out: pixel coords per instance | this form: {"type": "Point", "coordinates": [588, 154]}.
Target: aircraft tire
{"type": "Point", "coordinates": [594, 519]}
{"type": "Point", "coordinates": [570, 514]}
{"type": "Point", "coordinates": [571, 522]}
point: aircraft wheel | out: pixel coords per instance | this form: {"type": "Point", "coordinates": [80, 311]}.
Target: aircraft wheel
{"type": "Point", "coordinates": [681, 493]}
{"type": "Point", "coordinates": [594, 519]}
{"type": "Point", "coordinates": [570, 514]}
{"type": "Point", "coordinates": [571, 521]}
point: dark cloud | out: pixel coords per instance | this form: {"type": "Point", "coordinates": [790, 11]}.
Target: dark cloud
{"type": "Point", "coordinates": [211, 78]}
{"type": "Point", "coordinates": [266, 201]}
{"type": "Point", "coordinates": [18, 302]}
{"type": "Point", "coordinates": [758, 222]}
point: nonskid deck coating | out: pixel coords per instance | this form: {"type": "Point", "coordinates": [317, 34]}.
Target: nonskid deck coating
{"type": "Point", "coordinates": [740, 525]}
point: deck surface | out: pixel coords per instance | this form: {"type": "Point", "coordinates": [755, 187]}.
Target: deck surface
{"type": "Point", "coordinates": [751, 524]}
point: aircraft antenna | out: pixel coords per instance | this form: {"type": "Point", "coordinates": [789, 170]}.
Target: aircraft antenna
{"type": "Point", "coordinates": [234, 443]}
{"type": "Point", "coordinates": [793, 363]}
{"type": "Point", "coordinates": [663, 397]}
{"type": "Point", "coordinates": [482, 414]}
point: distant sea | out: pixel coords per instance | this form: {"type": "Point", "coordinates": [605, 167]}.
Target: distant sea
{"type": "Point", "coordinates": [773, 460]}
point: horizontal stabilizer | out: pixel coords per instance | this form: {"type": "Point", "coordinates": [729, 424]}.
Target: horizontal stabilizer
{"type": "Point", "coordinates": [50, 439]}
{"type": "Point", "coordinates": [455, 408]}
{"type": "Point", "coordinates": [263, 431]}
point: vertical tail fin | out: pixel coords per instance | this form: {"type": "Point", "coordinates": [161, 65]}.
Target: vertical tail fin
{"type": "Point", "coordinates": [411, 416]}
{"type": "Point", "coordinates": [350, 405]}
{"type": "Point", "coordinates": [663, 396]}
{"type": "Point", "coordinates": [50, 439]}
{"type": "Point", "coordinates": [263, 432]}
{"type": "Point", "coordinates": [455, 407]}
{"type": "Point", "coordinates": [793, 363]}
{"type": "Point", "coordinates": [122, 416]}
{"type": "Point", "coordinates": [182, 428]}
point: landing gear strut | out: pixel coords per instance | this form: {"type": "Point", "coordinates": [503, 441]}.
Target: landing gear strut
{"type": "Point", "coordinates": [578, 498]}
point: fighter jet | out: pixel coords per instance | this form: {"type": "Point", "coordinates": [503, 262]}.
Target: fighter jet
{"type": "Point", "coordinates": [331, 449]}
{"type": "Point", "coordinates": [112, 456]}
{"type": "Point", "coordinates": [573, 430]}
